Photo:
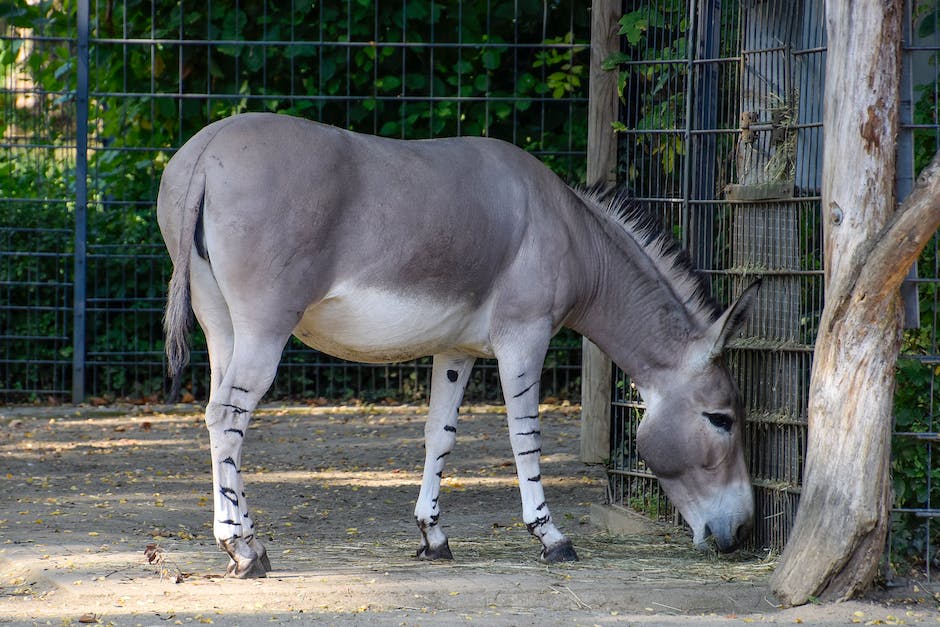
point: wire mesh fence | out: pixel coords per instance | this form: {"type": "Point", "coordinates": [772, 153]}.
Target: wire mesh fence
{"type": "Point", "coordinates": [915, 464]}
{"type": "Point", "coordinates": [722, 136]}
{"type": "Point", "coordinates": [723, 140]}
{"type": "Point", "coordinates": [36, 233]}
{"type": "Point", "coordinates": [157, 72]}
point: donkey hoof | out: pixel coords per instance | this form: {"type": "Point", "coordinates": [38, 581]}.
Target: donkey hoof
{"type": "Point", "coordinates": [265, 562]}
{"type": "Point", "coordinates": [262, 554]}
{"type": "Point", "coordinates": [245, 562]}
{"type": "Point", "coordinates": [561, 552]}
{"type": "Point", "coordinates": [441, 552]}
{"type": "Point", "coordinates": [246, 570]}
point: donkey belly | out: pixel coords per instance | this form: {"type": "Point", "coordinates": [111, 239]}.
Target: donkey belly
{"type": "Point", "coordinates": [376, 326]}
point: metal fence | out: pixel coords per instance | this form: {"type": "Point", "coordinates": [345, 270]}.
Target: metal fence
{"type": "Point", "coordinates": [722, 136]}
{"type": "Point", "coordinates": [82, 266]}
{"type": "Point", "coordinates": [915, 464]}
{"type": "Point", "coordinates": [733, 167]}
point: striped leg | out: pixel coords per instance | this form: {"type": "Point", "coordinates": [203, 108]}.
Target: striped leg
{"type": "Point", "coordinates": [520, 374]}
{"type": "Point", "coordinates": [247, 378]}
{"type": "Point", "coordinates": [448, 380]}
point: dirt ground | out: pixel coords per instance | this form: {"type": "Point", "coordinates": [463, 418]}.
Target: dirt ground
{"type": "Point", "coordinates": [85, 491]}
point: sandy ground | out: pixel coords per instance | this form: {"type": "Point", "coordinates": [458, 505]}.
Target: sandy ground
{"type": "Point", "coordinates": [84, 492]}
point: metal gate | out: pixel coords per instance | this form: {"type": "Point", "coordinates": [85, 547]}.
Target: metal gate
{"type": "Point", "coordinates": [96, 96]}
{"type": "Point", "coordinates": [725, 143]}
{"type": "Point", "coordinates": [721, 134]}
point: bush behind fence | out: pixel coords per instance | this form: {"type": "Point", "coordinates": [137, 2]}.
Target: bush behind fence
{"type": "Point", "coordinates": [158, 72]}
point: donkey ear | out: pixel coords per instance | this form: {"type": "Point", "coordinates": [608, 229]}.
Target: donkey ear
{"type": "Point", "coordinates": [730, 322]}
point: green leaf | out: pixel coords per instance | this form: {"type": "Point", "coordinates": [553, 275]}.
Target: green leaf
{"type": "Point", "coordinates": [614, 60]}
{"type": "Point", "coordinates": [928, 25]}
{"type": "Point", "coordinates": [463, 67]}
{"type": "Point", "coordinates": [63, 69]}
{"type": "Point", "coordinates": [391, 129]}
{"type": "Point", "coordinates": [635, 24]}
{"type": "Point", "coordinates": [490, 58]}
{"type": "Point", "coordinates": [327, 68]}
{"type": "Point", "coordinates": [525, 83]}
{"type": "Point", "coordinates": [416, 82]}
{"type": "Point", "coordinates": [388, 83]}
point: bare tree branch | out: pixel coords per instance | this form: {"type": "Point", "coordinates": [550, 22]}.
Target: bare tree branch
{"type": "Point", "coordinates": [904, 236]}
{"type": "Point", "coordinates": [884, 262]}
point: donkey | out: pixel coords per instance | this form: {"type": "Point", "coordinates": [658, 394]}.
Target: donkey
{"type": "Point", "coordinates": [380, 250]}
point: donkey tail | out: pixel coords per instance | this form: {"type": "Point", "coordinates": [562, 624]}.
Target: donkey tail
{"type": "Point", "coordinates": [178, 318]}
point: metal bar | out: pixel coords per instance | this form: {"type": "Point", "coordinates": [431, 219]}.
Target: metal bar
{"type": "Point", "coordinates": [763, 347]}
{"type": "Point", "coordinates": [148, 41]}
{"type": "Point", "coordinates": [924, 359]}
{"type": "Point", "coordinates": [685, 182]}
{"type": "Point", "coordinates": [927, 436]}
{"type": "Point", "coordinates": [324, 97]}
{"type": "Point", "coordinates": [626, 472]}
{"type": "Point", "coordinates": [39, 255]}
{"type": "Point", "coordinates": [81, 205]}
{"type": "Point", "coordinates": [39, 38]}
{"type": "Point", "coordinates": [920, 513]}
{"type": "Point", "coordinates": [35, 308]}
{"type": "Point", "coordinates": [723, 131]}
{"type": "Point", "coordinates": [35, 284]}
{"type": "Point", "coordinates": [18, 229]}
{"type": "Point", "coordinates": [629, 404]}
{"type": "Point", "coordinates": [745, 272]}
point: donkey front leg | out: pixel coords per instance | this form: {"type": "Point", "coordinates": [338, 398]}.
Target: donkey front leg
{"type": "Point", "coordinates": [228, 413]}
{"type": "Point", "coordinates": [520, 374]}
{"type": "Point", "coordinates": [448, 379]}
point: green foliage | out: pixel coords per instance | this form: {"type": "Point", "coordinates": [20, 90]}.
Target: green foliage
{"type": "Point", "coordinates": [915, 464]}
{"type": "Point", "coordinates": [341, 63]}
{"type": "Point", "coordinates": [655, 87]}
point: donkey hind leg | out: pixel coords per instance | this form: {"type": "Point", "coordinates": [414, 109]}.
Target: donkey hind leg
{"type": "Point", "coordinates": [247, 377]}
{"type": "Point", "coordinates": [448, 379]}
{"type": "Point", "coordinates": [520, 372]}
{"type": "Point", "coordinates": [213, 315]}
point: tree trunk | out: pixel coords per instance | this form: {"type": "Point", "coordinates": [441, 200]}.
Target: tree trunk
{"type": "Point", "coordinates": [839, 532]}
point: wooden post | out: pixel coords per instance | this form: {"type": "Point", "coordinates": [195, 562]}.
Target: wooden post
{"type": "Point", "coordinates": [601, 168]}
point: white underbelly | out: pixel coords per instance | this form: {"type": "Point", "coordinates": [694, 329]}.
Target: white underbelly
{"type": "Point", "coordinates": [376, 326]}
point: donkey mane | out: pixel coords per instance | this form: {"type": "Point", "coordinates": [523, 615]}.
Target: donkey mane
{"type": "Point", "coordinates": [663, 251]}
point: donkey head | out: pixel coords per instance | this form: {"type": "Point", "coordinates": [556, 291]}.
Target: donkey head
{"type": "Point", "coordinates": [691, 436]}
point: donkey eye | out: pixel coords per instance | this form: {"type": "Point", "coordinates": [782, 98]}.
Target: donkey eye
{"type": "Point", "coordinates": [721, 421]}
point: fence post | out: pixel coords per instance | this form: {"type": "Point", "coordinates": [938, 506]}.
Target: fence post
{"type": "Point", "coordinates": [81, 205]}
{"type": "Point", "coordinates": [596, 368]}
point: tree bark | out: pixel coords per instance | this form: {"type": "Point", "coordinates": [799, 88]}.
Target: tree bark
{"type": "Point", "coordinates": [840, 529]}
